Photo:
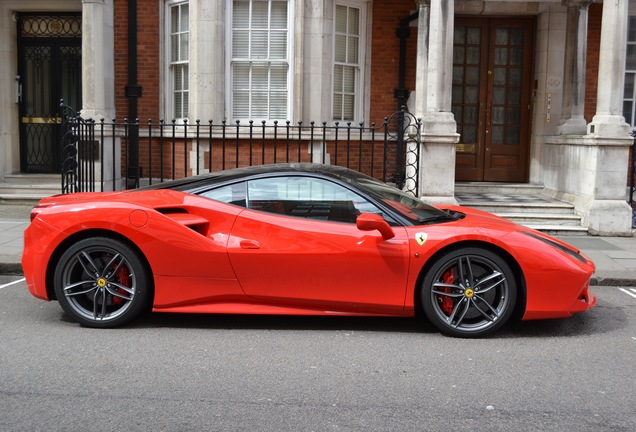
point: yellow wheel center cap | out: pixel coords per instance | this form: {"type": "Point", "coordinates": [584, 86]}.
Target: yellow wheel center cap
{"type": "Point", "coordinates": [101, 282]}
{"type": "Point", "coordinates": [469, 293]}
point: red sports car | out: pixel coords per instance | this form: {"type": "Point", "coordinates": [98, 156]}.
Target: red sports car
{"type": "Point", "coordinates": [298, 239]}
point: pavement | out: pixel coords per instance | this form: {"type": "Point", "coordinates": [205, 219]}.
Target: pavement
{"type": "Point", "coordinates": [615, 257]}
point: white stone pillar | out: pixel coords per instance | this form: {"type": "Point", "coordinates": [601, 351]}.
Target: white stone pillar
{"type": "Point", "coordinates": [607, 213]}
{"type": "Point", "coordinates": [439, 132]}
{"type": "Point", "coordinates": [98, 60]}
{"type": "Point", "coordinates": [417, 99]}
{"type": "Point", "coordinates": [98, 82]}
{"type": "Point", "coordinates": [207, 60]}
{"type": "Point", "coordinates": [609, 120]}
{"type": "Point", "coordinates": [314, 72]}
{"type": "Point", "coordinates": [421, 66]}
{"type": "Point", "coordinates": [573, 121]}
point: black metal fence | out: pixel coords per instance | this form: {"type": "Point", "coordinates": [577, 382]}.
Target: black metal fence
{"type": "Point", "coordinates": [103, 155]}
{"type": "Point", "coordinates": [632, 180]}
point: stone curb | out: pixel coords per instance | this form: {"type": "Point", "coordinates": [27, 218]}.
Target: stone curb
{"type": "Point", "coordinates": [613, 282]}
{"type": "Point", "coordinates": [11, 269]}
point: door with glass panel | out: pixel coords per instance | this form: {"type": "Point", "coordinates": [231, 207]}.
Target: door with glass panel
{"type": "Point", "coordinates": [49, 70]}
{"type": "Point", "coordinates": [492, 84]}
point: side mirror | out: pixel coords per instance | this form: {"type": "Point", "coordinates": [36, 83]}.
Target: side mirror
{"type": "Point", "coordinates": [371, 222]}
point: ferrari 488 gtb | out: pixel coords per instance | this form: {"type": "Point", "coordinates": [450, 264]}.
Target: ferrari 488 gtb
{"type": "Point", "coordinates": [298, 239]}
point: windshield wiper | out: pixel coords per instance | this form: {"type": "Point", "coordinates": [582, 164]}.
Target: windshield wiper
{"type": "Point", "coordinates": [437, 218]}
{"type": "Point", "coordinates": [448, 216]}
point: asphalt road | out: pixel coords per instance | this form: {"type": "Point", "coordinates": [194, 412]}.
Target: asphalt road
{"type": "Point", "coordinates": [234, 373]}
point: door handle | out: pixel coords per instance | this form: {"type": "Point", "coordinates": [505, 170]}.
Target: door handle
{"type": "Point", "coordinates": [250, 244]}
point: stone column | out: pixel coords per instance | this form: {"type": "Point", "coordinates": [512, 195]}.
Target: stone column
{"type": "Point", "coordinates": [439, 132]}
{"type": "Point", "coordinates": [417, 99]}
{"type": "Point", "coordinates": [313, 77]}
{"type": "Point", "coordinates": [607, 212]}
{"type": "Point", "coordinates": [98, 82]}
{"type": "Point", "coordinates": [421, 71]}
{"type": "Point", "coordinates": [98, 60]}
{"type": "Point", "coordinates": [573, 121]}
{"type": "Point", "coordinates": [609, 120]}
{"type": "Point", "coordinates": [207, 61]}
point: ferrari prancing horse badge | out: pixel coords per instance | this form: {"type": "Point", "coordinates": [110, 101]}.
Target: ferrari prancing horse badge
{"type": "Point", "coordinates": [420, 238]}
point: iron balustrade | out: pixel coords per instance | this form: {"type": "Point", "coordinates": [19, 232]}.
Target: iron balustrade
{"type": "Point", "coordinates": [96, 153]}
{"type": "Point", "coordinates": [632, 181]}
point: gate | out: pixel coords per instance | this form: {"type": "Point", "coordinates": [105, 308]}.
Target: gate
{"type": "Point", "coordinates": [95, 155]}
{"type": "Point", "coordinates": [402, 135]}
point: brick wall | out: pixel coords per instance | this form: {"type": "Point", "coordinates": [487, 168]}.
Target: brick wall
{"type": "Point", "coordinates": [385, 46]}
{"type": "Point", "coordinates": [593, 49]}
{"type": "Point", "coordinates": [147, 55]}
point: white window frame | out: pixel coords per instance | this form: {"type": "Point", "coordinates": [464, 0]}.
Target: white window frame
{"type": "Point", "coordinates": [169, 79]}
{"type": "Point", "coordinates": [289, 60]}
{"type": "Point", "coordinates": [631, 98]}
{"type": "Point", "coordinates": [360, 70]}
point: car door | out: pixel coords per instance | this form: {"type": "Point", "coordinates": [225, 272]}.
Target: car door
{"type": "Point", "coordinates": [297, 244]}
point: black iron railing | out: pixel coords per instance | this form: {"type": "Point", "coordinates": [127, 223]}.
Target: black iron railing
{"type": "Point", "coordinates": [96, 154]}
{"type": "Point", "coordinates": [632, 181]}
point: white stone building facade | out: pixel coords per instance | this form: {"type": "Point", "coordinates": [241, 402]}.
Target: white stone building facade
{"type": "Point", "coordinates": [582, 163]}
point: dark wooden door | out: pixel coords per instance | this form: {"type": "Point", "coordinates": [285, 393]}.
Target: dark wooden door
{"type": "Point", "coordinates": [492, 84]}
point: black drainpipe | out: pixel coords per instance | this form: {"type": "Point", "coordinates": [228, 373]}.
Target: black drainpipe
{"type": "Point", "coordinates": [133, 91]}
{"type": "Point", "coordinates": [403, 32]}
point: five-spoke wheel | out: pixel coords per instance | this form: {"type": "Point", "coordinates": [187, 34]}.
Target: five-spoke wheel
{"type": "Point", "coordinates": [469, 292]}
{"type": "Point", "coordinates": [101, 282]}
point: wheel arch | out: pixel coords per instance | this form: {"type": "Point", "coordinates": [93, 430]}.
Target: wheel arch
{"type": "Point", "coordinates": [63, 246]}
{"type": "Point", "coordinates": [520, 279]}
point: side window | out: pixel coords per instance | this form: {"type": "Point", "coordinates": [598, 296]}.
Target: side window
{"type": "Point", "coordinates": [230, 194]}
{"type": "Point", "coordinates": [307, 198]}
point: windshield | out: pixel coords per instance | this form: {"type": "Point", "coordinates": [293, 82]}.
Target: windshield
{"type": "Point", "coordinates": [412, 208]}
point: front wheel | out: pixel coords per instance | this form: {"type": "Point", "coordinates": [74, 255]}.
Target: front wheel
{"type": "Point", "coordinates": [101, 282]}
{"type": "Point", "coordinates": [469, 292]}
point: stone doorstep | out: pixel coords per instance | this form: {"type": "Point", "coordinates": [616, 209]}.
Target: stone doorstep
{"type": "Point", "coordinates": [33, 179]}
{"type": "Point", "coordinates": [543, 218]}
{"type": "Point", "coordinates": [523, 204]}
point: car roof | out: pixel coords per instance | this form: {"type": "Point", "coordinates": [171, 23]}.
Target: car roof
{"type": "Point", "coordinates": [219, 177]}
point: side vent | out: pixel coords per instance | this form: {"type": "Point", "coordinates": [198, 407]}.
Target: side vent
{"type": "Point", "coordinates": [181, 216]}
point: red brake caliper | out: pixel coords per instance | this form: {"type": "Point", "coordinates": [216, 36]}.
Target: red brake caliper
{"type": "Point", "coordinates": [124, 279]}
{"type": "Point", "coordinates": [446, 301]}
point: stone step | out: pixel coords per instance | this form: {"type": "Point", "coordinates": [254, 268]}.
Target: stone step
{"type": "Point", "coordinates": [523, 204]}
{"type": "Point", "coordinates": [28, 189]}
{"type": "Point", "coordinates": [37, 189]}
{"type": "Point", "coordinates": [517, 207]}
{"type": "Point", "coordinates": [559, 230]}
{"type": "Point", "coordinates": [497, 188]}
{"type": "Point", "coordinates": [33, 179]}
{"type": "Point", "coordinates": [543, 218]}
{"type": "Point", "coordinates": [20, 199]}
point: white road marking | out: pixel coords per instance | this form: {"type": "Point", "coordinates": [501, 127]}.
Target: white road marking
{"type": "Point", "coordinates": [631, 291]}
{"type": "Point", "coordinates": [12, 283]}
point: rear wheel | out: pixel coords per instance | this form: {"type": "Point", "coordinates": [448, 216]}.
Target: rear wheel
{"type": "Point", "coordinates": [469, 292]}
{"type": "Point", "coordinates": [101, 282]}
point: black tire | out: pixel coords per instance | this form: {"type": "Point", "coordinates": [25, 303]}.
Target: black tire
{"type": "Point", "coordinates": [102, 282]}
{"type": "Point", "coordinates": [469, 292]}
